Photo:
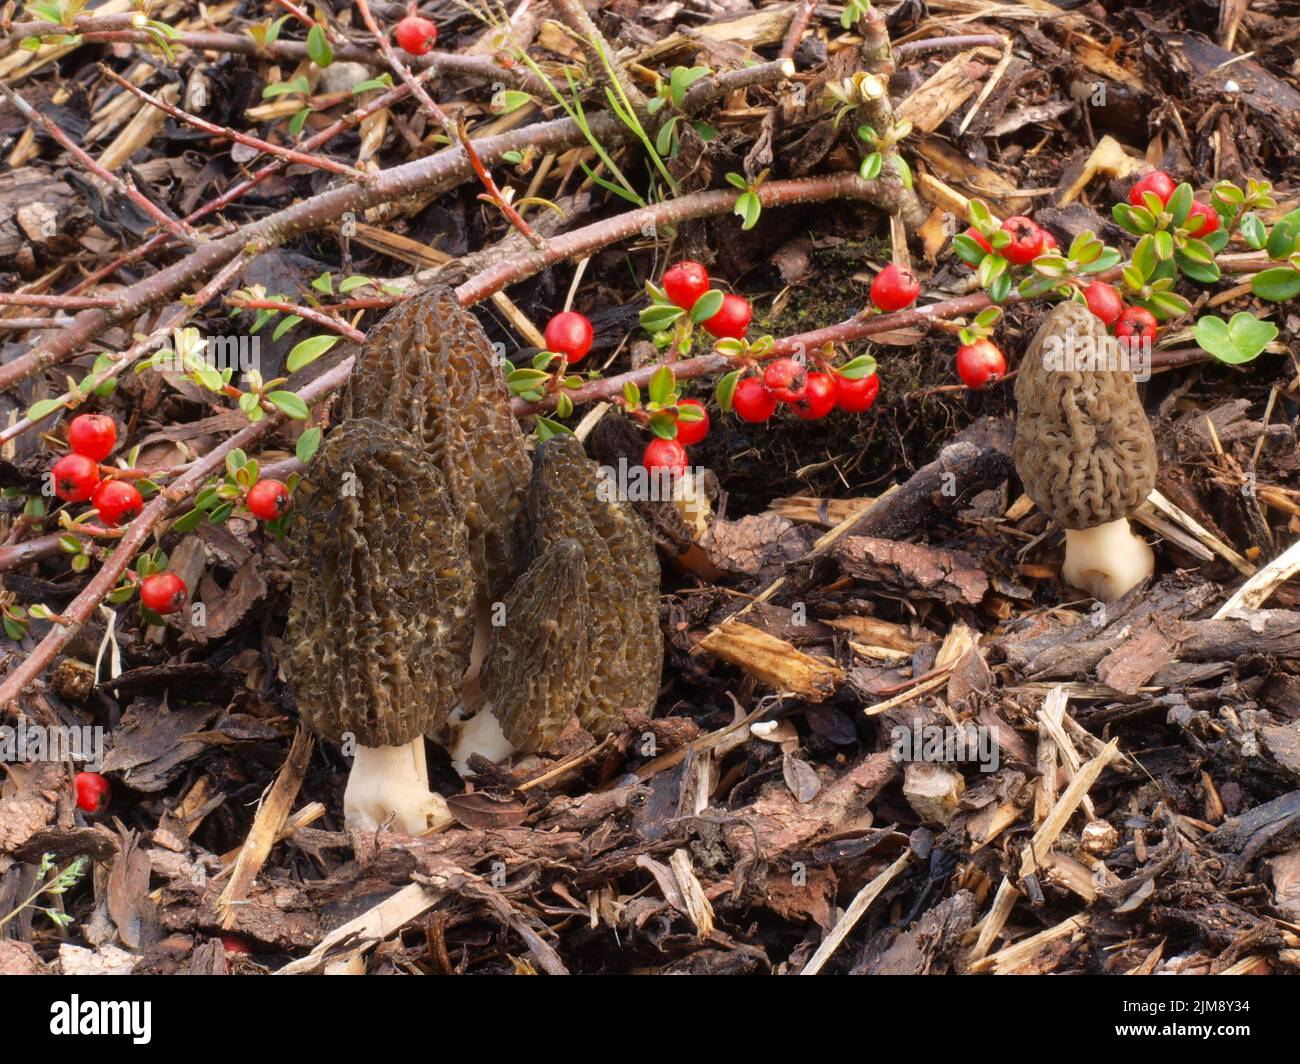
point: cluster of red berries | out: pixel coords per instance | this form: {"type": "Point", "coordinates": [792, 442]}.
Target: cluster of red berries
{"type": "Point", "coordinates": [1162, 186]}
{"type": "Point", "coordinates": [684, 284]}
{"type": "Point", "coordinates": [91, 438]}
{"type": "Point", "coordinates": [1129, 323]}
{"type": "Point", "coordinates": [1105, 301]}
{"type": "Point", "coordinates": [77, 478]}
{"type": "Point", "coordinates": [671, 454]}
{"type": "Point", "coordinates": [687, 281]}
{"type": "Point", "coordinates": [810, 395]}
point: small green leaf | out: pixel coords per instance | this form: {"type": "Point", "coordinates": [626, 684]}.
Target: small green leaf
{"type": "Point", "coordinates": [308, 442]}
{"type": "Point", "coordinates": [546, 428]}
{"type": "Point", "coordinates": [308, 351]}
{"type": "Point", "coordinates": [657, 318]}
{"type": "Point", "coordinates": [707, 306]}
{"type": "Point", "coordinates": [664, 425]}
{"type": "Point", "coordinates": [726, 388]}
{"type": "Point", "coordinates": [1145, 256]}
{"type": "Point", "coordinates": [858, 368]}
{"type": "Point", "coordinates": [663, 385]}
{"type": "Point", "coordinates": [1253, 230]}
{"type": "Point", "coordinates": [904, 171]}
{"type": "Point", "coordinates": [632, 395]}
{"type": "Point", "coordinates": [284, 325]}
{"type": "Point", "coordinates": [967, 250]}
{"type": "Point", "coordinates": [1240, 340]}
{"type": "Point", "coordinates": [43, 409]}
{"type": "Point", "coordinates": [870, 168]}
{"type": "Point", "coordinates": [1282, 241]}
{"type": "Point", "coordinates": [749, 207]}
{"type": "Point", "coordinates": [1197, 271]}
{"type": "Point", "coordinates": [187, 522]}
{"type": "Point", "coordinates": [1180, 203]}
{"type": "Point", "coordinates": [290, 404]}
{"type": "Point", "coordinates": [1198, 251]}
{"type": "Point", "coordinates": [318, 46]}
{"type": "Point", "coordinates": [1276, 285]}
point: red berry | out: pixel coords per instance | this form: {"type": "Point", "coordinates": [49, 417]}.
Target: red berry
{"type": "Point", "coordinates": [752, 401]}
{"type": "Point", "coordinates": [117, 501]}
{"type": "Point", "coordinates": [980, 364]}
{"type": "Point", "coordinates": [894, 288]}
{"type": "Point", "coordinates": [685, 283]}
{"type": "Point", "coordinates": [92, 791]}
{"type": "Point", "coordinates": [163, 593]}
{"type": "Point", "coordinates": [92, 435]}
{"type": "Point", "coordinates": [819, 397]}
{"type": "Point", "coordinates": [235, 944]}
{"type": "Point", "coordinates": [1049, 241]}
{"type": "Point", "coordinates": [1026, 240]}
{"type": "Point", "coordinates": [1209, 219]}
{"type": "Point", "coordinates": [569, 334]}
{"type": "Point", "coordinates": [731, 320]}
{"type": "Point", "coordinates": [75, 477]}
{"type": "Point", "coordinates": [1104, 300]}
{"type": "Point", "coordinates": [786, 379]}
{"type": "Point", "coordinates": [665, 454]}
{"type": "Point", "coordinates": [415, 35]}
{"type": "Point", "coordinates": [1136, 323]}
{"type": "Point", "coordinates": [692, 432]}
{"type": "Point", "coordinates": [1158, 182]}
{"type": "Point", "coordinates": [857, 396]}
{"type": "Point", "coordinates": [267, 500]}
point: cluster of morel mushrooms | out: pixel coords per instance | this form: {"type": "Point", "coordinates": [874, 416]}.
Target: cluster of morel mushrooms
{"type": "Point", "coordinates": [441, 587]}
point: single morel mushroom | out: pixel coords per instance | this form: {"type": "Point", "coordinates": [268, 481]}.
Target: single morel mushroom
{"type": "Point", "coordinates": [536, 667]}
{"type": "Point", "coordinates": [1084, 449]}
{"type": "Point", "coordinates": [428, 368]}
{"type": "Point", "coordinates": [569, 497]}
{"type": "Point", "coordinates": [381, 615]}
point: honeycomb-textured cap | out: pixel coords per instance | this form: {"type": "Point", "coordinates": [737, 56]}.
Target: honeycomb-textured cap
{"type": "Point", "coordinates": [536, 667]}
{"type": "Point", "coordinates": [1084, 448]}
{"type": "Point", "coordinates": [381, 616]}
{"type": "Point", "coordinates": [569, 498]}
{"type": "Point", "coordinates": [428, 368]}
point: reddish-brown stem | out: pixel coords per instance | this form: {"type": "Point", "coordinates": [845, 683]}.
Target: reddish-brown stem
{"type": "Point", "coordinates": [455, 130]}
{"type": "Point", "coordinates": [317, 317]}
{"type": "Point", "coordinates": [63, 302]}
{"type": "Point", "coordinates": [631, 223]}
{"type": "Point", "coordinates": [164, 220]}
{"type": "Point", "coordinates": [939, 44]}
{"type": "Point", "coordinates": [288, 154]}
{"type": "Point", "coordinates": [798, 25]}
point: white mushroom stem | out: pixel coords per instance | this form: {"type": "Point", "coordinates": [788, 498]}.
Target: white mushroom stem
{"type": "Point", "coordinates": [474, 727]}
{"type": "Point", "coordinates": [389, 788]}
{"type": "Point", "coordinates": [482, 735]}
{"type": "Point", "coordinates": [1108, 560]}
